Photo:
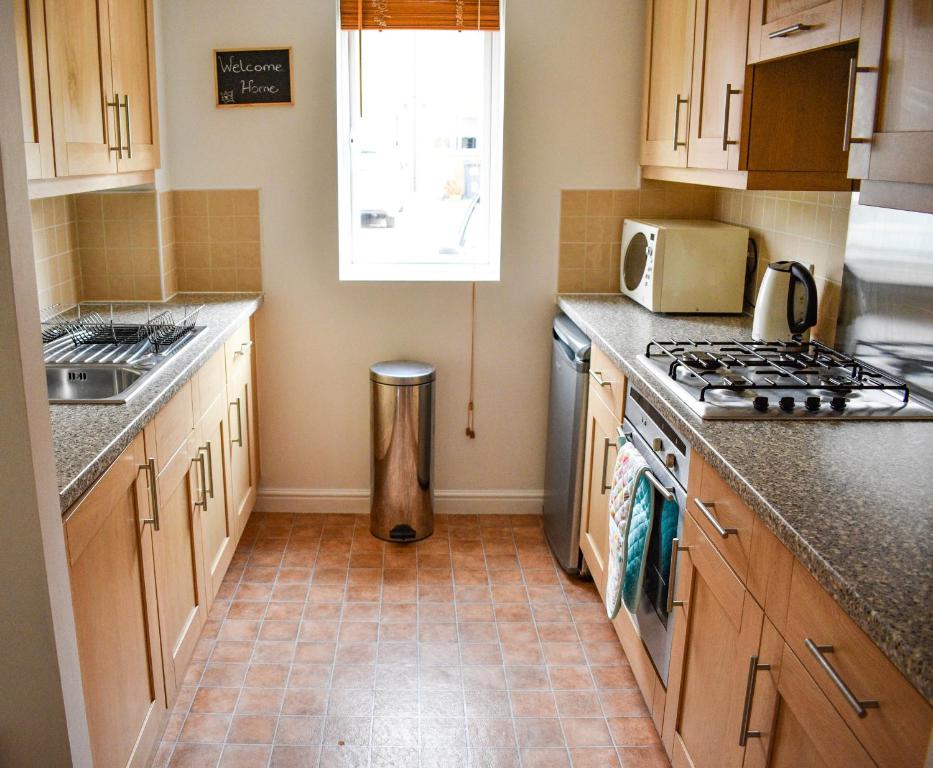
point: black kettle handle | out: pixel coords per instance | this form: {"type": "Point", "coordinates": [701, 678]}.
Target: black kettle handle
{"type": "Point", "coordinates": [801, 274]}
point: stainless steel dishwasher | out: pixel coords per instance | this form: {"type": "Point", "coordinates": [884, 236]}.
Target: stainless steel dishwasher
{"type": "Point", "coordinates": [566, 434]}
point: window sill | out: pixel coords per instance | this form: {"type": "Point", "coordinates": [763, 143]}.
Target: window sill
{"type": "Point", "coordinates": [422, 273]}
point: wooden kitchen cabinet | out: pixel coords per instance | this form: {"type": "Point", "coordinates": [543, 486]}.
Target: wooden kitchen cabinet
{"type": "Point", "coordinates": [102, 95]}
{"type": "Point", "coordinates": [717, 630]}
{"type": "Point", "coordinates": [29, 17]}
{"type": "Point", "coordinates": [241, 415]}
{"type": "Point", "coordinates": [109, 538]}
{"type": "Point", "coordinates": [785, 27]}
{"type": "Point", "coordinates": [891, 110]}
{"type": "Point", "coordinates": [668, 66]}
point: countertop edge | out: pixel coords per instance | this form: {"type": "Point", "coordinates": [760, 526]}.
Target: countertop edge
{"type": "Point", "coordinates": [72, 492]}
{"type": "Point", "coordinates": [851, 602]}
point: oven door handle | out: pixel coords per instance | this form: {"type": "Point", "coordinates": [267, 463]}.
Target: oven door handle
{"type": "Point", "coordinates": [667, 493]}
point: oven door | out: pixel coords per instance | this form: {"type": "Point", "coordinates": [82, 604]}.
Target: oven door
{"type": "Point", "coordinates": [655, 625]}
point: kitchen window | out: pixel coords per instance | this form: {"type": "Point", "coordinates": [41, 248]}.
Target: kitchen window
{"type": "Point", "coordinates": [419, 134]}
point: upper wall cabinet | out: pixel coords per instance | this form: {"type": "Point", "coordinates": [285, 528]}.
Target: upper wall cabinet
{"type": "Point", "coordinates": [890, 123]}
{"type": "Point", "coordinates": [99, 89]}
{"type": "Point", "coordinates": [774, 125]}
{"type": "Point", "coordinates": [34, 87]}
{"type": "Point", "coordinates": [784, 27]}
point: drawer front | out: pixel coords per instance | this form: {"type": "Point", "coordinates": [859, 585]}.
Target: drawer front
{"type": "Point", "coordinates": [725, 519]}
{"type": "Point", "coordinates": [820, 24]}
{"type": "Point", "coordinates": [171, 427]}
{"type": "Point", "coordinates": [609, 382]}
{"type": "Point", "coordinates": [896, 732]}
{"type": "Point", "coordinates": [237, 347]}
{"type": "Point", "coordinates": [211, 383]}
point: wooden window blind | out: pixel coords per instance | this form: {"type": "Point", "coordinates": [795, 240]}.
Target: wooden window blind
{"type": "Point", "coordinates": [461, 15]}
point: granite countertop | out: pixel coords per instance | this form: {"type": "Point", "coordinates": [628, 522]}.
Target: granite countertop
{"type": "Point", "coordinates": [850, 499]}
{"type": "Point", "coordinates": [87, 438]}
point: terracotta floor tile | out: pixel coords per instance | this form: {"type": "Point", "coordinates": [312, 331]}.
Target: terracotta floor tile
{"type": "Point", "coordinates": [215, 700]}
{"type": "Point", "coordinates": [294, 757]}
{"type": "Point", "coordinates": [252, 729]}
{"type": "Point", "coordinates": [245, 756]}
{"type": "Point", "coordinates": [196, 755]}
{"type": "Point", "coordinates": [205, 728]}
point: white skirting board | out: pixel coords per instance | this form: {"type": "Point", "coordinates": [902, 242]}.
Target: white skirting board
{"type": "Point", "coordinates": [356, 501]}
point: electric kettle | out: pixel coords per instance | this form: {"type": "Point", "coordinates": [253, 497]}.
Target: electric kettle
{"type": "Point", "coordinates": [786, 304]}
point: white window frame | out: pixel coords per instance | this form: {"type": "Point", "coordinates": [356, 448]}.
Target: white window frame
{"type": "Point", "coordinates": [487, 270]}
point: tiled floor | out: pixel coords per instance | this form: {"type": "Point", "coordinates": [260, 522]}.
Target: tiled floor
{"type": "Point", "coordinates": [326, 647]}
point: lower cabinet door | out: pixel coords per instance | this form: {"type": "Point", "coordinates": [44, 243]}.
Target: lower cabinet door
{"type": "Point", "coordinates": [178, 560]}
{"type": "Point", "coordinates": [601, 446]}
{"type": "Point", "coordinates": [218, 523]}
{"type": "Point", "coordinates": [718, 628]}
{"type": "Point", "coordinates": [242, 420]}
{"type": "Point", "coordinates": [114, 594]}
{"type": "Point", "coordinates": [795, 723]}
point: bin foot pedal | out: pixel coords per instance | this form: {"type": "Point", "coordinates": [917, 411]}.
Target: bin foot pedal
{"type": "Point", "coordinates": [402, 532]}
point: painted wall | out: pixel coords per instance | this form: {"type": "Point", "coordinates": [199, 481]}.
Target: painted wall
{"type": "Point", "coordinates": [572, 107]}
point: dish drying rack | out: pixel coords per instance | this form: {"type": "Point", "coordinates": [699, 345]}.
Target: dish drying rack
{"type": "Point", "coordinates": [80, 327]}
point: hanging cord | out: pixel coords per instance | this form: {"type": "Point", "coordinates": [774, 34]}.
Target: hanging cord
{"type": "Point", "coordinates": [470, 433]}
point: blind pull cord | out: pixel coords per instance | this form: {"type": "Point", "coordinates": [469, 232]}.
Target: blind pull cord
{"type": "Point", "coordinates": [470, 432]}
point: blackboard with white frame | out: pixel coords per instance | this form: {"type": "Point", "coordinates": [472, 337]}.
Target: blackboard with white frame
{"type": "Point", "coordinates": [251, 77]}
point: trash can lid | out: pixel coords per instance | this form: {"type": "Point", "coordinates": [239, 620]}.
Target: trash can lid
{"type": "Point", "coordinates": [402, 372]}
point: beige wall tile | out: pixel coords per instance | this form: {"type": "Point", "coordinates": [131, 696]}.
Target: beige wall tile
{"type": "Point", "coordinates": [190, 203]}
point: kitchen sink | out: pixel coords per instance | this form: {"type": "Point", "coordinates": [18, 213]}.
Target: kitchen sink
{"type": "Point", "coordinates": [97, 383]}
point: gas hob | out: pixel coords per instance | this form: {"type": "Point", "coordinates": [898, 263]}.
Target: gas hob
{"type": "Point", "coordinates": [745, 379]}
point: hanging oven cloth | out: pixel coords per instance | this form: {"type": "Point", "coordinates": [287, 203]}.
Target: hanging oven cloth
{"type": "Point", "coordinates": [631, 500]}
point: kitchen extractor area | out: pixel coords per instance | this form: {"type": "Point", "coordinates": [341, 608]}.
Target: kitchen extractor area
{"type": "Point", "coordinates": [466, 383]}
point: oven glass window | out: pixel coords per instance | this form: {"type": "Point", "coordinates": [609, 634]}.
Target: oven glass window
{"type": "Point", "coordinates": [658, 566]}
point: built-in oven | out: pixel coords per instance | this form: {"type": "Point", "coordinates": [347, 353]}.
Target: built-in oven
{"type": "Point", "coordinates": [667, 454]}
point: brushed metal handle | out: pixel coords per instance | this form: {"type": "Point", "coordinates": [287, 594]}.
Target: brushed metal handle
{"type": "Point", "coordinates": [726, 141]}
{"type": "Point", "coordinates": [792, 29]}
{"type": "Point", "coordinates": [210, 469]}
{"type": "Point", "coordinates": [116, 119]}
{"type": "Point", "coordinates": [199, 459]}
{"type": "Point", "coordinates": [677, 104]}
{"type": "Point", "coordinates": [753, 669]}
{"type": "Point", "coordinates": [676, 548]}
{"type": "Point", "coordinates": [244, 348]}
{"type": "Point", "coordinates": [129, 141]}
{"type": "Point", "coordinates": [859, 706]}
{"type": "Point", "coordinates": [239, 425]}
{"type": "Point", "coordinates": [704, 507]}
{"type": "Point", "coordinates": [150, 467]}
{"type": "Point", "coordinates": [603, 486]}
{"type": "Point", "coordinates": [847, 139]}
{"type": "Point", "coordinates": [667, 493]}
{"type": "Point", "coordinates": [597, 376]}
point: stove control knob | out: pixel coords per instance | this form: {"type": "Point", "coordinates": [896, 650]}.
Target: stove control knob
{"type": "Point", "coordinates": [670, 461]}
{"type": "Point", "coordinates": [786, 403]}
{"type": "Point", "coordinates": [760, 403]}
{"type": "Point", "coordinates": [657, 444]}
{"type": "Point", "coordinates": [813, 403]}
{"type": "Point", "coordinates": [838, 403]}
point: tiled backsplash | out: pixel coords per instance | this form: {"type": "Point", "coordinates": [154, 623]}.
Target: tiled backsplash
{"type": "Point", "coordinates": [54, 242]}
{"type": "Point", "coordinates": [217, 240]}
{"type": "Point", "coordinates": [146, 245]}
{"type": "Point", "coordinates": [809, 227]}
{"type": "Point", "coordinates": [591, 227]}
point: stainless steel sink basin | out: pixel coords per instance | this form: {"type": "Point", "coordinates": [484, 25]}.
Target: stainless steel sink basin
{"type": "Point", "coordinates": [98, 383]}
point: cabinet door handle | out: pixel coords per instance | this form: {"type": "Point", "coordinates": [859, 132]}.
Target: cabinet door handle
{"type": "Point", "coordinates": [726, 141]}
{"type": "Point", "coordinates": [859, 706]}
{"type": "Point", "coordinates": [677, 104]}
{"type": "Point", "coordinates": [129, 141]}
{"type": "Point", "coordinates": [244, 348]}
{"type": "Point", "coordinates": [597, 376]}
{"type": "Point", "coordinates": [847, 140]}
{"type": "Point", "coordinates": [704, 507]}
{"type": "Point", "coordinates": [116, 119]}
{"type": "Point", "coordinates": [791, 30]}
{"type": "Point", "coordinates": [676, 548]}
{"type": "Point", "coordinates": [753, 669]}
{"type": "Point", "coordinates": [150, 468]}
{"type": "Point", "coordinates": [210, 470]}
{"type": "Point", "coordinates": [202, 471]}
{"type": "Point", "coordinates": [239, 425]}
{"type": "Point", "coordinates": [603, 486]}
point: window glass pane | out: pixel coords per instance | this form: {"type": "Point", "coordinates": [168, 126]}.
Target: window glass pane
{"type": "Point", "coordinates": [419, 152]}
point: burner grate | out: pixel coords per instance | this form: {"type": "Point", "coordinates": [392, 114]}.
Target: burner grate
{"type": "Point", "coordinates": [740, 365]}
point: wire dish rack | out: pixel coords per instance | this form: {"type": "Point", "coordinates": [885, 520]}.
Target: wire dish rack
{"type": "Point", "coordinates": [76, 326]}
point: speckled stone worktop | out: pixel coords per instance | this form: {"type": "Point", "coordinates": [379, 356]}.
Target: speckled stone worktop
{"type": "Point", "coordinates": [852, 500]}
{"type": "Point", "coordinates": [87, 438]}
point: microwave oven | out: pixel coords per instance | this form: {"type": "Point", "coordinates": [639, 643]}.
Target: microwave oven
{"type": "Point", "coordinates": [683, 265]}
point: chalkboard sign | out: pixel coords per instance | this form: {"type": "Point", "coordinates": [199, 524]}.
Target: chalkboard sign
{"type": "Point", "coordinates": [253, 77]}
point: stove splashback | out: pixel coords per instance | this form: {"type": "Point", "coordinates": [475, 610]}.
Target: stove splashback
{"type": "Point", "coordinates": [886, 313]}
